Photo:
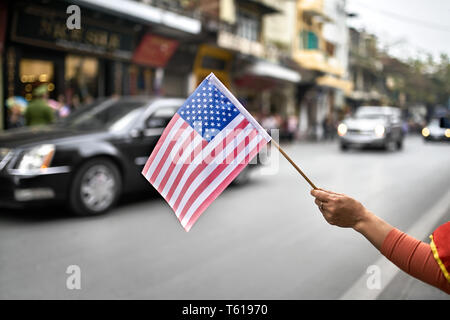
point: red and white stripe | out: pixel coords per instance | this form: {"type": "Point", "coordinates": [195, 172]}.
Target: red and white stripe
{"type": "Point", "coordinates": [190, 173]}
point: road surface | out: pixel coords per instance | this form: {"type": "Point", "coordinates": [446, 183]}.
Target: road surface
{"type": "Point", "coordinates": [265, 240]}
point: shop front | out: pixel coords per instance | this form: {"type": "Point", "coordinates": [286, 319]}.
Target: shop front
{"type": "Point", "coordinates": [74, 63]}
{"type": "Point", "coordinates": [108, 56]}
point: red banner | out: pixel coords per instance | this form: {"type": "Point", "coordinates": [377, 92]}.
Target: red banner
{"type": "Point", "coordinates": [154, 51]}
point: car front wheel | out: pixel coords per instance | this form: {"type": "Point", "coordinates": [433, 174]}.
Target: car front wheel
{"type": "Point", "coordinates": [95, 188]}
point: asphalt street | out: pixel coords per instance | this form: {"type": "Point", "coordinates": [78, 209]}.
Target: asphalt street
{"type": "Point", "coordinates": [264, 240]}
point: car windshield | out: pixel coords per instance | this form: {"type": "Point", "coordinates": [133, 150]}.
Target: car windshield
{"type": "Point", "coordinates": [370, 113]}
{"type": "Point", "coordinates": [105, 114]}
{"type": "Point", "coordinates": [434, 123]}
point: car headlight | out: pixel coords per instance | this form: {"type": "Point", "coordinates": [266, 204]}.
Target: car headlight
{"type": "Point", "coordinates": [379, 130]}
{"type": "Point", "coordinates": [425, 132]}
{"type": "Point", "coordinates": [447, 133]}
{"type": "Point", "coordinates": [37, 158]}
{"type": "Point", "coordinates": [342, 129]}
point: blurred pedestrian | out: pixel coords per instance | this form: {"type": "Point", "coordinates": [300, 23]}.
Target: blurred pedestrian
{"type": "Point", "coordinates": [16, 108]}
{"type": "Point", "coordinates": [38, 111]}
{"type": "Point", "coordinates": [327, 126]}
{"type": "Point", "coordinates": [64, 109]}
{"type": "Point", "coordinates": [429, 263]}
{"type": "Point", "coordinates": [292, 127]}
{"type": "Point", "coordinates": [75, 103]}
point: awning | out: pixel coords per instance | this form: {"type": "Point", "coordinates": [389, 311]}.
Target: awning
{"type": "Point", "coordinates": [274, 71]}
{"type": "Point", "coordinates": [145, 13]}
{"type": "Point", "coordinates": [333, 82]}
{"type": "Point", "coordinates": [264, 8]}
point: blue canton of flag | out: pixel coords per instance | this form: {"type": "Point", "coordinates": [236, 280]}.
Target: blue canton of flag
{"type": "Point", "coordinates": [208, 111]}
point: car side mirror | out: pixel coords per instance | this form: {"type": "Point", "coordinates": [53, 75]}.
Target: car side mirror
{"type": "Point", "coordinates": [444, 123]}
{"type": "Point", "coordinates": [155, 123]}
{"type": "Point", "coordinates": [137, 133]}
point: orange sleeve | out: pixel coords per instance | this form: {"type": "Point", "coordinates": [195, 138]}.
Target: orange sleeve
{"type": "Point", "coordinates": [415, 258]}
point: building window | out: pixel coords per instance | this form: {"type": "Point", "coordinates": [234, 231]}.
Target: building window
{"type": "Point", "coordinates": [309, 40]}
{"type": "Point", "coordinates": [248, 25]}
{"type": "Point", "coordinates": [33, 73]}
{"type": "Point", "coordinates": [330, 49]}
{"type": "Point", "coordinates": [81, 75]}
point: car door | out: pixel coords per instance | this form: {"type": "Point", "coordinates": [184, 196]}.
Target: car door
{"type": "Point", "coordinates": [145, 137]}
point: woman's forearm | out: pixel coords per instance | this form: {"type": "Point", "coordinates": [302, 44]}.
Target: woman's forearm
{"type": "Point", "coordinates": [373, 228]}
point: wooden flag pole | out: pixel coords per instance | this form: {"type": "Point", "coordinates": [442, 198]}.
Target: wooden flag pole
{"type": "Point", "coordinates": [293, 163]}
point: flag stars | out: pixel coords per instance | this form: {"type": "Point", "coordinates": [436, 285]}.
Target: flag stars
{"type": "Point", "coordinates": [208, 111]}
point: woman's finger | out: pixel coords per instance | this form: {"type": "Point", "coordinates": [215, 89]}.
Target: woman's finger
{"type": "Point", "coordinates": [321, 195]}
{"type": "Point", "coordinates": [332, 192]}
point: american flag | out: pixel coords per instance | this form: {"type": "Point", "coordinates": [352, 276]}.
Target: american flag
{"type": "Point", "coordinates": [206, 144]}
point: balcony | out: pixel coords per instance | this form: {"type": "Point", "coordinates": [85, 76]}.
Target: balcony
{"type": "Point", "coordinates": [234, 42]}
{"type": "Point", "coordinates": [311, 59]}
{"type": "Point", "coordinates": [313, 8]}
{"type": "Point", "coordinates": [337, 83]}
{"type": "Point", "coordinates": [334, 67]}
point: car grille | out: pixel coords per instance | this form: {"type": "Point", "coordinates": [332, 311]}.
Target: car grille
{"type": "Point", "coordinates": [358, 131]}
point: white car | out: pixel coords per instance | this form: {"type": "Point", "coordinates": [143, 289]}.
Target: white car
{"type": "Point", "coordinates": [374, 126]}
{"type": "Point", "coordinates": [434, 131]}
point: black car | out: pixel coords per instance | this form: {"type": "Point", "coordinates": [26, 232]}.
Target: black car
{"type": "Point", "coordinates": [87, 160]}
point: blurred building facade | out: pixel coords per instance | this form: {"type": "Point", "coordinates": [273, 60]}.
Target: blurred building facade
{"type": "Point", "coordinates": [282, 58]}
{"type": "Point", "coordinates": [295, 60]}
{"type": "Point", "coordinates": [122, 48]}
{"type": "Point", "coordinates": [321, 50]}
{"type": "Point", "coordinates": [251, 52]}
{"type": "Point", "coordinates": [366, 70]}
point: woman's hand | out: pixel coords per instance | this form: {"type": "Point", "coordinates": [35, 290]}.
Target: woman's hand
{"type": "Point", "coordinates": [343, 211]}
{"type": "Point", "coordinates": [340, 210]}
